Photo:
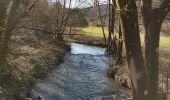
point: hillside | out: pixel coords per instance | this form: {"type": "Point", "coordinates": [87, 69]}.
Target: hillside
{"type": "Point", "coordinates": [93, 17]}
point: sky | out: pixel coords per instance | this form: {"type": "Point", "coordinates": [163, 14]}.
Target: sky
{"type": "Point", "coordinates": [80, 3]}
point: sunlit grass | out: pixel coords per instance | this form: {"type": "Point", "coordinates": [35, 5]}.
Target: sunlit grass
{"type": "Point", "coordinates": [94, 31]}
{"type": "Point", "coordinates": [164, 41]}
{"type": "Point", "coordinates": [97, 31]}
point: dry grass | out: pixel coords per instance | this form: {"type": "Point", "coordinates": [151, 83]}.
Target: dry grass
{"type": "Point", "coordinates": [28, 59]}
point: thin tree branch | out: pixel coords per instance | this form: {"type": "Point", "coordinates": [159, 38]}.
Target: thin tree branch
{"type": "Point", "coordinates": [33, 5]}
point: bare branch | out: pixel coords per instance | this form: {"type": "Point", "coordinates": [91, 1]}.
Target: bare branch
{"type": "Point", "coordinates": [163, 10]}
{"type": "Point", "coordinates": [32, 6]}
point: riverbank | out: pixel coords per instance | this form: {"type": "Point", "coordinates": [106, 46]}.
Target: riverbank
{"type": "Point", "coordinates": [164, 55]}
{"type": "Point", "coordinates": [28, 59]}
{"type": "Point", "coordinates": [86, 39]}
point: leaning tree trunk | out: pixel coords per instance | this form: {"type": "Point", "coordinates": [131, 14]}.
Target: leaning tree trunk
{"type": "Point", "coordinates": [3, 9]}
{"type": "Point", "coordinates": [9, 26]}
{"type": "Point", "coordinates": [130, 30]}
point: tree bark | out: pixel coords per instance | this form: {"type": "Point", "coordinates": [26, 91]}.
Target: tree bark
{"type": "Point", "coordinates": [120, 46]}
{"type": "Point", "coordinates": [152, 19]}
{"type": "Point", "coordinates": [9, 26]}
{"type": "Point", "coordinates": [130, 30]}
{"type": "Point", "coordinates": [152, 64]}
{"type": "Point", "coordinates": [111, 44]}
{"type": "Point", "coordinates": [3, 8]}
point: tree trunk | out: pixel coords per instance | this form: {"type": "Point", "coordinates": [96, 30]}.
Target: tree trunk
{"type": "Point", "coordinates": [3, 9]}
{"type": "Point", "coordinates": [9, 26]}
{"type": "Point", "coordinates": [120, 46]}
{"type": "Point", "coordinates": [152, 38]}
{"type": "Point", "coordinates": [111, 44]}
{"type": "Point", "coordinates": [153, 19]}
{"type": "Point", "coordinates": [130, 30]}
{"type": "Point", "coordinates": [153, 59]}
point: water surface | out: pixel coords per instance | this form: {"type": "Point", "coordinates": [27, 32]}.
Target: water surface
{"type": "Point", "coordinates": [82, 76]}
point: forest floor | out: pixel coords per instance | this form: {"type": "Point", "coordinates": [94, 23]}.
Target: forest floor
{"type": "Point", "coordinates": [28, 59]}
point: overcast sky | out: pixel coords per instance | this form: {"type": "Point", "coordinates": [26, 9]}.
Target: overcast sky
{"type": "Point", "coordinates": [80, 3]}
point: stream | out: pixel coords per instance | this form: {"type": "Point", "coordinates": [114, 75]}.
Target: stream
{"type": "Point", "coordinates": [81, 76]}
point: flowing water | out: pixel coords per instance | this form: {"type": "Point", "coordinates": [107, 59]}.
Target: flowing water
{"type": "Point", "coordinates": [82, 76]}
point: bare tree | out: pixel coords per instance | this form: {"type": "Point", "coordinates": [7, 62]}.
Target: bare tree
{"type": "Point", "coordinates": [3, 8]}
{"type": "Point", "coordinates": [12, 10]}
{"type": "Point", "coordinates": [153, 19]}
{"type": "Point", "coordinates": [143, 72]}
{"type": "Point", "coordinates": [130, 29]}
{"type": "Point", "coordinates": [9, 25]}
{"type": "Point", "coordinates": [52, 18]}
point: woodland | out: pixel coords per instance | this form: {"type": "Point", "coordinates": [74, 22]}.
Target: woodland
{"type": "Point", "coordinates": [36, 36]}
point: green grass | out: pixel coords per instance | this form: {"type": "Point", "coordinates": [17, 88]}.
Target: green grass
{"type": "Point", "coordinates": [97, 31]}
{"type": "Point", "coordinates": [94, 31]}
{"type": "Point", "coordinates": [164, 41]}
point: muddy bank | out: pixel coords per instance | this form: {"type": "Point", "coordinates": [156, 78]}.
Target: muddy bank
{"type": "Point", "coordinates": [85, 39]}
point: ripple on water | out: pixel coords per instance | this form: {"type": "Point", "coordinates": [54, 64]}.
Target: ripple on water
{"type": "Point", "coordinates": [79, 77]}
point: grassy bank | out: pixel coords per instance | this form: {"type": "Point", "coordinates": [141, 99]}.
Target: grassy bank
{"type": "Point", "coordinates": [97, 32]}
{"type": "Point", "coordinates": [28, 59]}
{"type": "Point", "coordinates": [94, 31]}
{"type": "Point", "coordinates": [164, 58]}
{"type": "Point", "coordinates": [164, 41]}
{"type": "Point", "coordinates": [94, 35]}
